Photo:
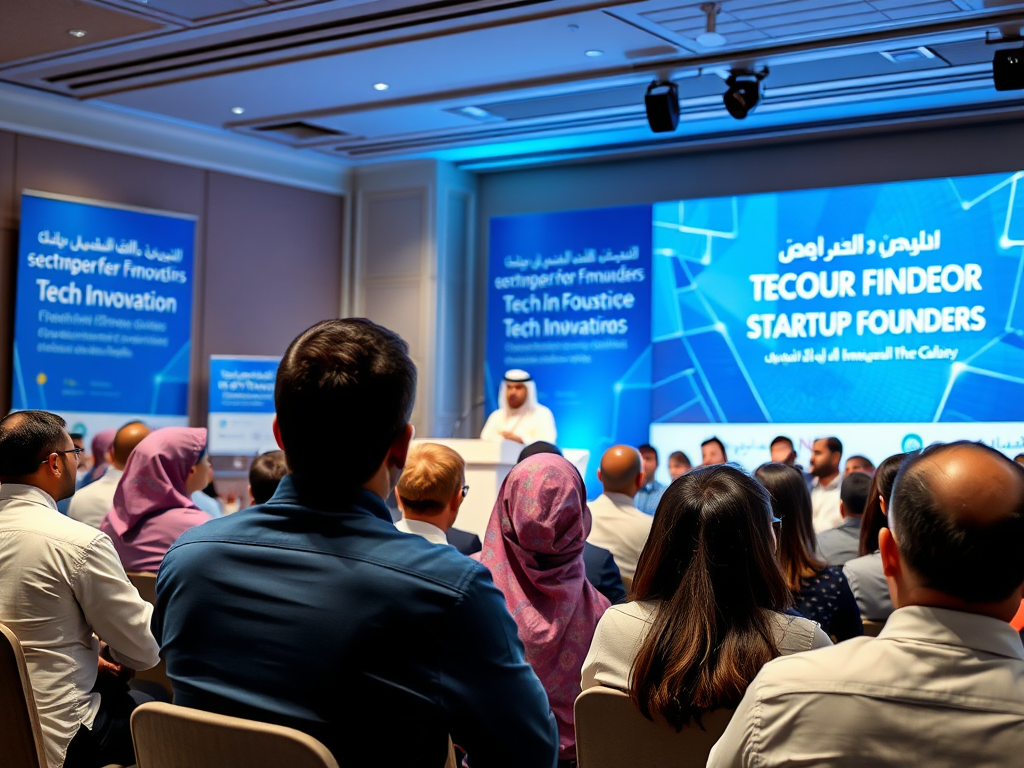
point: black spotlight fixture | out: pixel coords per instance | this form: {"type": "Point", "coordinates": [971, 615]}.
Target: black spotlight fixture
{"type": "Point", "coordinates": [662, 103]}
{"type": "Point", "coordinates": [744, 92]}
{"type": "Point", "coordinates": [1008, 69]}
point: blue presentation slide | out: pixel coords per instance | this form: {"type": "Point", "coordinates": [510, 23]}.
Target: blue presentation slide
{"type": "Point", "coordinates": [104, 310]}
{"type": "Point", "coordinates": [569, 297]}
{"type": "Point", "coordinates": [888, 313]}
{"type": "Point", "coordinates": [241, 413]}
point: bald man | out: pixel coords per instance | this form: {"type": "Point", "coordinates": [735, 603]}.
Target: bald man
{"type": "Point", "coordinates": [619, 526]}
{"type": "Point", "coordinates": [943, 684]}
{"type": "Point", "coordinates": [91, 504]}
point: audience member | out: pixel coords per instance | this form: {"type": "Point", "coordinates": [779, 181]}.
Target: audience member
{"type": "Point", "coordinates": [207, 498]}
{"type": "Point", "coordinates": [678, 464]}
{"type": "Point", "coordinates": [314, 612]}
{"type": "Point", "coordinates": [90, 504]}
{"type": "Point", "coordinates": [865, 572]}
{"type": "Point", "coordinates": [430, 492]}
{"type": "Point", "coordinates": [820, 591]}
{"type": "Point", "coordinates": [712, 452]}
{"type": "Point", "coordinates": [61, 587]}
{"type": "Point", "coordinates": [710, 601]}
{"type": "Point", "coordinates": [86, 460]}
{"type": "Point", "coordinates": [602, 570]}
{"type": "Point", "coordinates": [647, 498]}
{"type": "Point", "coordinates": [534, 550]}
{"type": "Point", "coordinates": [859, 464]}
{"type": "Point", "coordinates": [826, 455]}
{"type": "Point", "coordinates": [265, 474]}
{"type": "Point", "coordinates": [782, 451]}
{"type": "Point", "coordinates": [837, 545]}
{"type": "Point", "coordinates": [152, 503]}
{"type": "Point", "coordinates": [942, 684]}
{"type": "Point", "coordinates": [618, 526]}
{"type": "Point", "coordinates": [101, 444]}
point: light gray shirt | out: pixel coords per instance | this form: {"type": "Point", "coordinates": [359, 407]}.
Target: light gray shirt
{"type": "Point", "coordinates": [837, 545]}
{"type": "Point", "coordinates": [60, 582]}
{"type": "Point", "coordinates": [624, 627]}
{"type": "Point", "coordinates": [91, 504]}
{"type": "Point", "coordinates": [869, 586]}
{"type": "Point", "coordinates": [620, 528]}
{"type": "Point", "coordinates": [936, 688]}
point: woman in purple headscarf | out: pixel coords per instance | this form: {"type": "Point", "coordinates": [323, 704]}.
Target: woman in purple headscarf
{"type": "Point", "coordinates": [153, 504]}
{"type": "Point", "coordinates": [534, 549]}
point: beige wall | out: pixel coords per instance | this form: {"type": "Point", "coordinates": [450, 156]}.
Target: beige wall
{"type": "Point", "coordinates": [267, 257]}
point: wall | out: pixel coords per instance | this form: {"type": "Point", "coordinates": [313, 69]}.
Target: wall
{"type": "Point", "coordinates": [267, 259]}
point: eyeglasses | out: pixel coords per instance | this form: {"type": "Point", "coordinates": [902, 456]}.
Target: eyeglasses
{"type": "Point", "coordinates": [75, 451]}
{"type": "Point", "coordinates": [465, 491]}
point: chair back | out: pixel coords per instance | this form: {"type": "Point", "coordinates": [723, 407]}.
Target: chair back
{"type": "Point", "coordinates": [872, 628]}
{"type": "Point", "coordinates": [168, 736]}
{"type": "Point", "coordinates": [21, 736]}
{"type": "Point", "coordinates": [146, 584]}
{"type": "Point", "coordinates": [611, 733]}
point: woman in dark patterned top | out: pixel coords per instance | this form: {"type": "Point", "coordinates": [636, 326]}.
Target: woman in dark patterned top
{"type": "Point", "coordinates": [820, 593]}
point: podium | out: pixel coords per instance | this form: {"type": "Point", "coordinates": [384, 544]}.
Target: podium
{"type": "Point", "coordinates": [487, 465]}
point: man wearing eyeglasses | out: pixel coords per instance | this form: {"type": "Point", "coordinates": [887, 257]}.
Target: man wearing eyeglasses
{"type": "Point", "coordinates": [61, 585]}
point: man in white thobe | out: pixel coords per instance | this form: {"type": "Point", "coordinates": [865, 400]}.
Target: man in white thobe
{"type": "Point", "coordinates": [520, 417]}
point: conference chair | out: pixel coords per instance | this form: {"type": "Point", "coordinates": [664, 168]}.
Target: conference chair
{"type": "Point", "coordinates": [611, 733]}
{"type": "Point", "coordinates": [146, 584]}
{"type": "Point", "coordinates": [872, 628]}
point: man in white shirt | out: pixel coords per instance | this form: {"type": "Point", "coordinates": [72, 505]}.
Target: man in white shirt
{"type": "Point", "coordinates": [91, 504]}
{"type": "Point", "coordinates": [943, 683]}
{"type": "Point", "coordinates": [826, 456]}
{"type": "Point", "coordinates": [430, 491]}
{"type": "Point", "coordinates": [519, 416]}
{"type": "Point", "coordinates": [618, 526]}
{"type": "Point", "coordinates": [61, 582]}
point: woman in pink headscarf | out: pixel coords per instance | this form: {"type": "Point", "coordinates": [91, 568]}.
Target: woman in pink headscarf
{"type": "Point", "coordinates": [534, 549]}
{"type": "Point", "coordinates": [153, 504]}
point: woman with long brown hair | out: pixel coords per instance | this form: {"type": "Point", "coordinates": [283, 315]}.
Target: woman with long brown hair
{"type": "Point", "coordinates": [709, 600]}
{"type": "Point", "coordinates": [820, 592]}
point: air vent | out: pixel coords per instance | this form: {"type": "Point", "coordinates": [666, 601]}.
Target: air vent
{"type": "Point", "coordinates": [298, 132]}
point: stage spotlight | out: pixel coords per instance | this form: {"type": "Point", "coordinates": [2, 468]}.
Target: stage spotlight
{"type": "Point", "coordinates": [1008, 69]}
{"type": "Point", "coordinates": [662, 103]}
{"type": "Point", "coordinates": [744, 93]}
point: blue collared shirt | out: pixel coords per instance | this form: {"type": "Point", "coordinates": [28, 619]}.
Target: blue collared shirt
{"type": "Point", "coordinates": [333, 622]}
{"type": "Point", "coordinates": [648, 497]}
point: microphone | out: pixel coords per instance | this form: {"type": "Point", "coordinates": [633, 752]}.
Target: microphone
{"type": "Point", "coordinates": [464, 414]}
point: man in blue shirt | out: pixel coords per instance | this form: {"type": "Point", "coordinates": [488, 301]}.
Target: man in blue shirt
{"type": "Point", "coordinates": [649, 495]}
{"type": "Point", "coordinates": [313, 611]}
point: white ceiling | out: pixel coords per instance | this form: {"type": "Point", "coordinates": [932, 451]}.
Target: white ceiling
{"type": "Point", "coordinates": [520, 65]}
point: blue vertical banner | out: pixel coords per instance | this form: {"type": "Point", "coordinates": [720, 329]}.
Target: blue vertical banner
{"type": "Point", "coordinates": [569, 301]}
{"type": "Point", "coordinates": [242, 404]}
{"type": "Point", "coordinates": [104, 310]}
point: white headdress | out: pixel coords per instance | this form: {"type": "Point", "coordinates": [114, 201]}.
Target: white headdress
{"type": "Point", "coordinates": [518, 376]}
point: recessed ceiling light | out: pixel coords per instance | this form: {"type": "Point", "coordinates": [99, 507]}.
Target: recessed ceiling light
{"type": "Point", "coordinates": [237, 110]}
{"type": "Point", "coordinates": [594, 54]}
{"type": "Point", "coordinates": [76, 32]}
{"type": "Point", "coordinates": [380, 86]}
{"type": "Point", "coordinates": [908, 54]}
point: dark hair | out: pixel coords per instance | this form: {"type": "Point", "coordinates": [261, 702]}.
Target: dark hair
{"type": "Point", "coordinates": [345, 390]}
{"type": "Point", "coordinates": [538, 447]}
{"type": "Point", "coordinates": [76, 437]}
{"type": "Point", "coordinates": [977, 562]}
{"type": "Point", "coordinates": [679, 458]}
{"type": "Point", "coordinates": [709, 564]}
{"type": "Point", "coordinates": [717, 442]}
{"type": "Point", "coordinates": [647, 448]}
{"type": "Point", "coordinates": [874, 519]}
{"type": "Point", "coordinates": [791, 503]}
{"type": "Point", "coordinates": [26, 439]}
{"type": "Point", "coordinates": [265, 475]}
{"type": "Point", "coordinates": [833, 444]}
{"type": "Point", "coordinates": [864, 459]}
{"type": "Point", "coordinates": [782, 439]}
{"type": "Point", "coordinates": [854, 492]}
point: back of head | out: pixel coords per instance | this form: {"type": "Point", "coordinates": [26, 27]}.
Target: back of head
{"type": "Point", "coordinates": [791, 503]}
{"type": "Point", "coordinates": [710, 565]}
{"type": "Point", "coordinates": [620, 467]}
{"type": "Point", "coordinates": [125, 440]}
{"type": "Point", "coordinates": [265, 474]}
{"type": "Point", "coordinates": [538, 447]}
{"type": "Point", "coordinates": [957, 514]}
{"type": "Point", "coordinates": [26, 439]}
{"type": "Point", "coordinates": [432, 476]}
{"type": "Point", "coordinates": [854, 492]}
{"type": "Point", "coordinates": [345, 390]}
{"type": "Point", "coordinates": [874, 518]}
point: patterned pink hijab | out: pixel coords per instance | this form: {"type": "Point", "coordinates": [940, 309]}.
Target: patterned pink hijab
{"type": "Point", "coordinates": [152, 507]}
{"type": "Point", "coordinates": [534, 550]}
